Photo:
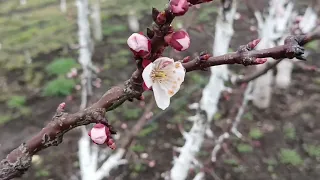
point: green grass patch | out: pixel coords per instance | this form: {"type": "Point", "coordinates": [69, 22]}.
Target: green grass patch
{"type": "Point", "coordinates": [61, 66]}
{"type": "Point", "coordinates": [291, 157]}
{"type": "Point", "coordinates": [255, 133]}
{"type": "Point", "coordinates": [244, 148]}
{"type": "Point", "coordinates": [59, 87]}
{"type": "Point", "coordinates": [16, 101]}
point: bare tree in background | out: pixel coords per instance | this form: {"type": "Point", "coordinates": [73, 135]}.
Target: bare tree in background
{"type": "Point", "coordinates": [208, 105]}
{"type": "Point", "coordinates": [273, 27]}
{"type": "Point", "coordinates": [23, 2]}
{"type": "Point", "coordinates": [96, 20]}
{"type": "Point", "coordinates": [63, 6]}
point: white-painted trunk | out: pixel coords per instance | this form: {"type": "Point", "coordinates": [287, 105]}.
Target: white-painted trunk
{"type": "Point", "coordinates": [23, 2]}
{"type": "Point", "coordinates": [199, 176]}
{"type": "Point", "coordinates": [111, 163]}
{"type": "Point", "coordinates": [96, 21]}
{"type": "Point", "coordinates": [263, 85]}
{"type": "Point", "coordinates": [87, 155]}
{"type": "Point", "coordinates": [133, 21]}
{"type": "Point", "coordinates": [309, 21]}
{"type": "Point", "coordinates": [194, 139]}
{"type": "Point", "coordinates": [63, 6]}
{"type": "Point", "coordinates": [87, 165]}
{"type": "Point", "coordinates": [208, 103]}
{"type": "Point", "coordinates": [85, 50]}
{"type": "Point", "coordinates": [273, 27]}
{"type": "Point", "coordinates": [284, 68]}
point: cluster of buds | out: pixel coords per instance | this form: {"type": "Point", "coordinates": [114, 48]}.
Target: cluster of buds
{"type": "Point", "coordinates": [140, 45]}
{"type": "Point", "coordinates": [101, 134]}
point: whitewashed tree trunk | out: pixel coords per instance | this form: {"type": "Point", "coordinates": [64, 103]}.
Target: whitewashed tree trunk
{"type": "Point", "coordinates": [208, 103]}
{"type": "Point", "coordinates": [87, 155]}
{"type": "Point", "coordinates": [133, 21]}
{"type": "Point", "coordinates": [273, 27]}
{"type": "Point", "coordinates": [23, 2]}
{"type": "Point", "coordinates": [96, 21]}
{"type": "Point", "coordinates": [63, 6]}
{"type": "Point", "coordinates": [85, 52]}
{"type": "Point", "coordinates": [277, 24]}
{"type": "Point", "coordinates": [284, 68]}
{"type": "Point", "coordinates": [113, 161]}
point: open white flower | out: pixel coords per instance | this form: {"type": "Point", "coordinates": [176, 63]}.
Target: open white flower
{"type": "Point", "coordinates": [165, 77]}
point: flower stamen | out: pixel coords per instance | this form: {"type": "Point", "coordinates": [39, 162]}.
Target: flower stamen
{"type": "Point", "coordinates": [158, 75]}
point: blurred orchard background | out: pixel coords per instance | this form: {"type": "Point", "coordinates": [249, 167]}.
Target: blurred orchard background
{"type": "Point", "coordinates": [39, 68]}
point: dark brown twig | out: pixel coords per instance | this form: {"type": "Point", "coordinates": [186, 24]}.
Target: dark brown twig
{"type": "Point", "coordinates": [258, 73]}
{"type": "Point", "coordinates": [246, 56]}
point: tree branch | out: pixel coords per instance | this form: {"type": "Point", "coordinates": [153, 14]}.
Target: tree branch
{"type": "Point", "coordinates": [247, 56]}
{"type": "Point", "coordinates": [309, 37]}
{"type": "Point", "coordinates": [257, 74]}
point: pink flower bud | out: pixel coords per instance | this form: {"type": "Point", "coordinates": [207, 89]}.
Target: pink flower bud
{"type": "Point", "coordinates": [254, 43]}
{"type": "Point", "coordinates": [186, 59]}
{"type": "Point", "coordinates": [139, 44]}
{"type": "Point", "coordinates": [179, 40]}
{"type": "Point", "coordinates": [62, 106]}
{"type": "Point", "coordinates": [161, 18]}
{"type": "Point", "coordinates": [152, 163]}
{"type": "Point", "coordinates": [124, 126]}
{"type": "Point", "coordinates": [179, 7]}
{"type": "Point", "coordinates": [99, 133]}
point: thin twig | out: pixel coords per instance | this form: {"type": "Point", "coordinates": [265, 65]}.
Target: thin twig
{"type": "Point", "coordinates": [19, 160]}
{"type": "Point", "coordinates": [258, 73]}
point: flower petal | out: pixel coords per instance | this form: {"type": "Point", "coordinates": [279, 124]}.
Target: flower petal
{"type": "Point", "coordinates": [179, 72]}
{"type": "Point", "coordinates": [163, 63]}
{"type": "Point", "coordinates": [179, 7]}
{"type": "Point", "coordinates": [184, 42]}
{"type": "Point", "coordinates": [174, 79]}
{"type": "Point", "coordinates": [180, 40]}
{"type": "Point", "coordinates": [98, 134]}
{"type": "Point", "coordinates": [146, 75]}
{"type": "Point", "coordinates": [138, 42]}
{"type": "Point", "coordinates": [161, 97]}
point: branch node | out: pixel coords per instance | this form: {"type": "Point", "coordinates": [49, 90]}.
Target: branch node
{"type": "Point", "coordinates": [294, 48]}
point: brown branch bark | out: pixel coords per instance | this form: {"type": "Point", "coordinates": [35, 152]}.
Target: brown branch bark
{"type": "Point", "coordinates": [247, 56]}
{"type": "Point", "coordinates": [257, 74]}
{"type": "Point", "coordinates": [309, 37]}
{"type": "Point", "coordinates": [19, 160]}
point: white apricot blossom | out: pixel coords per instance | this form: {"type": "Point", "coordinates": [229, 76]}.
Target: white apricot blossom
{"type": "Point", "coordinates": [165, 77]}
